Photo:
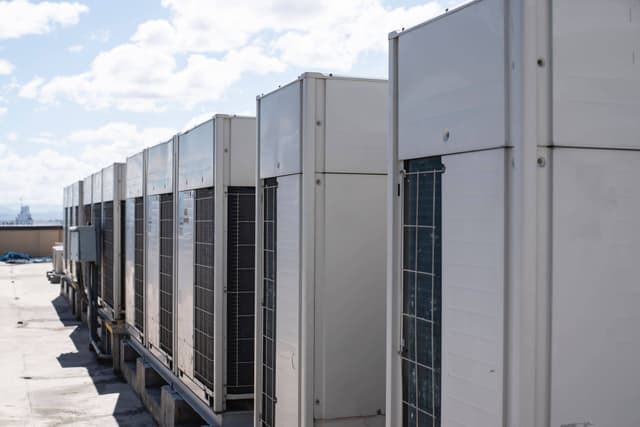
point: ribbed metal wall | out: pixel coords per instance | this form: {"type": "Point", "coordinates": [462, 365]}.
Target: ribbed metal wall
{"type": "Point", "coordinates": [166, 273]}
{"type": "Point", "coordinates": [267, 415]}
{"type": "Point", "coordinates": [203, 287]}
{"type": "Point", "coordinates": [240, 289]}
{"type": "Point", "coordinates": [139, 264]}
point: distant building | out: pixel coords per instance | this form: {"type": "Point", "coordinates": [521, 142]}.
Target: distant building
{"type": "Point", "coordinates": [24, 217]}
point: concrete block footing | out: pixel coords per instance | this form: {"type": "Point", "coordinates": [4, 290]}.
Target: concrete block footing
{"type": "Point", "coordinates": [175, 411]}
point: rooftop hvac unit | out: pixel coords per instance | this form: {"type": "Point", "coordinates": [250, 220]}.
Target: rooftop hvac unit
{"type": "Point", "coordinates": [96, 220]}
{"type": "Point", "coordinates": [515, 217]}
{"type": "Point", "coordinates": [66, 204]}
{"type": "Point", "coordinates": [76, 217]}
{"type": "Point", "coordinates": [215, 251]}
{"type": "Point", "coordinates": [320, 254]}
{"type": "Point", "coordinates": [113, 195]}
{"type": "Point", "coordinates": [134, 246]}
{"type": "Point", "coordinates": [159, 213]}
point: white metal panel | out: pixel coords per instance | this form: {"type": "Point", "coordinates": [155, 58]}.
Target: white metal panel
{"type": "Point", "coordinates": [87, 189]}
{"type": "Point", "coordinates": [288, 246]}
{"type": "Point", "coordinates": [242, 150]}
{"type": "Point", "coordinates": [135, 175]}
{"type": "Point", "coordinates": [184, 314]}
{"type": "Point", "coordinates": [160, 168]}
{"type": "Point", "coordinates": [97, 187]}
{"type": "Point", "coordinates": [280, 151]}
{"type": "Point", "coordinates": [596, 73]}
{"type": "Point", "coordinates": [473, 257]}
{"type": "Point", "coordinates": [356, 124]}
{"type": "Point", "coordinates": [130, 260]}
{"type": "Point", "coordinates": [451, 81]}
{"type": "Point", "coordinates": [196, 157]}
{"type": "Point", "coordinates": [108, 184]}
{"type": "Point", "coordinates": [152, 270]}
{"type": "Point", "coordinates": [350, 295]}
{"type": "Point", "coordinates": [75, 194]}
{"type": "Point", "coordinates": [595, 288]}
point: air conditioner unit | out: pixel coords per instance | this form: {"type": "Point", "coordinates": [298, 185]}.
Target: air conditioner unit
{"type": "Point", "coordinates": [159, 250]}
{"type": "Point", "coordinates": [96, 220]}
{"type": "Point", "coordinates": [320, 250]}
{"type": "Point", "coordinates": [113, 195]}
{"type": "Point", "coordinates": [515, 217]}
{"type": "Point", "coordinates": [215, 261]}
{"type": "Point", "coordinates": [134, 246]}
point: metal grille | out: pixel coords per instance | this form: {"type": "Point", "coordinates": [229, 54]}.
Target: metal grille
{"type": "Point", "coordinates": [166, 273]}
{"type": "Point", "coordinates": [97, 221]}
{"type": "Point", "coordinates": [139, 264]}
{"type": "Point", "coordinates": [203, 287]}
{"type": "Point", "coordinates": [87, 214]}
{"type": "Point", "coordinates": [123, 290]}
{"type": "Point", "coordinates": [267, 416]}
{"type": "Point", "coordinates": [240, 289]}
{"type": "Point", "coordinates": [107, 250]}
{"type": "Point", "coordinates": [422, 293]}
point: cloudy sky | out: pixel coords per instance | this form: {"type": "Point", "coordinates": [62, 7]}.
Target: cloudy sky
{"type": "Point", "coordinates": [87, 83]}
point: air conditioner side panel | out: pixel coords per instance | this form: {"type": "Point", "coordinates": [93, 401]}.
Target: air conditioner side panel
{"type": "Point", "coordinates": [129, 253]}
{"type": "Point", "coordinates": [595, 288]}
{"type": "Point", "coordinates": [288, 272]}
{"type": "Point", "coordinates": [473, 266]}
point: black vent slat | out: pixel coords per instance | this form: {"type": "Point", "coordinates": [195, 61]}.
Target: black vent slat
{"type": "Point", "coordinates": [422, 293]}
{"type": "Point", "coordinates": [240, 289]}
{"type": "Point", "coordinates": [203, 287]}
{"type": "Point", "coordinates": [107, 251]}
{"type": "Point", "coordinates": [166, 273]}
{"type": "Point", "coordinates": [139, 264]}
{"type": "Point", "coordinates": [267, 415]}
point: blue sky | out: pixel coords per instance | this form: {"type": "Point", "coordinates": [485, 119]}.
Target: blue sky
{"type": "Point", "coordinates": [87, 83]}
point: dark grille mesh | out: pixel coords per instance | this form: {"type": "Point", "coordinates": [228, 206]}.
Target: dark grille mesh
{"type": "Point", "coordinates": [203, 287]}
{"type": "Point", "coordinates": [422, 293]}
{"type": "Point", "coordinates": [123, 225]}
{"type": "Point", "coordinates": [97, 221]}
{"type": "Point", "coordinates": [267, 416]}
{"type": "Point", "coordinates": [86, 211]}
{"type": "Point", "coordinates": [166, 273]}
{"type": "Point", "coordinates": [240, 289]}
{"type": "Point", "coordinates": [139, 264]}
{"type": "Point", "coordinates": [107, 251]}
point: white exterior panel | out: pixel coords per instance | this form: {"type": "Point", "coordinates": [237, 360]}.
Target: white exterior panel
{"type": "Point", "coordinates": [160, 168]}
{"type": "Point", "coordinates": [473, 262]}
{"type": "Point", "coordinates": [596, 73]}
{"type": "Point", "coordinates": [349, 296]}
{"type": "Point", "coordinates": [288, 280]}
{"type": "Point", "coordinates": [242, 151]}
{"type": "Point", "coordinates": [185, 312]}
{"type": "Point", "coordinates": [135, 175]}
{"type": "Point", "coordinates": [108, 183]}
{"type": "Point", "coordinates": [595, 288]}
{"type": "Point", "coordinates": [280, 133]}
{"type": "Point", "coordinates": [356, 123]}
{"type": "Point", "coordinates": [96, 192]}
{"type": "Point", "coordinates": [196, 157]}
{"type": "Point", "coordinates": [451, 80]}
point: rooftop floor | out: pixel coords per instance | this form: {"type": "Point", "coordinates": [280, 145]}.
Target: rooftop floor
{"type": "Point", "coordinates": [49, 377]}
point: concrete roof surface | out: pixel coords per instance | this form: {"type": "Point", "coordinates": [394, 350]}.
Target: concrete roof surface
{"type": "Point", "coordinates": [49, 376]}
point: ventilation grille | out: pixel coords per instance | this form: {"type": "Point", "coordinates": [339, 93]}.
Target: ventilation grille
{"type": "Point", "coordinates": [107, 251]}
{"type": "Point", "coordinates": [267, 416]}
{"type": "Point", "coordinates": [123, 227]}
{"type": "Point", "coordinates": [422, 293]}
{"type": "Point", "coordinates": [241, 224]}
{"type": "Point", "coordinates": [86, 211]}
{"type": "Point", "coordinates": [203, 287]}
{"type": "Point", "coordinates": [139, 264]}
{"type": "Point", "coordinates": [166, 273]}
{"type": "Point", "coordinates": [97, 221]}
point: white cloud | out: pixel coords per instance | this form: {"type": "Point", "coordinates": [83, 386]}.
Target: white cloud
{"type": "Point", "coordinates": [21, 17]}
{"type": "Point", "coordinates": [75, 48]}
{"type": "Point", "coordinates": [39, 177]}
{"type": "Point", "coordinates": [6, 67]}
{"type": "Point", "coordinates": [12, 136]}
{"type": "Point", "coordinates": [196, 120]}
{"type": "Point", "coordinates": [3, 111]}
{"type": "Point", "coordinates": [201, 50]}
{"type": "Point", "coordinates": [101, 36]}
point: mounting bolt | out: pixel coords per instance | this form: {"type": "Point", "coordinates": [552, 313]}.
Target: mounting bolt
{"type": "Point", "coordinates": [540, 62]}
{"type": "Point", "coordinates": [446, 134]}
{"type": "Point", "coordinates": [318, 182]}
{"type": "Point", "coordinates": [541, 162]}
